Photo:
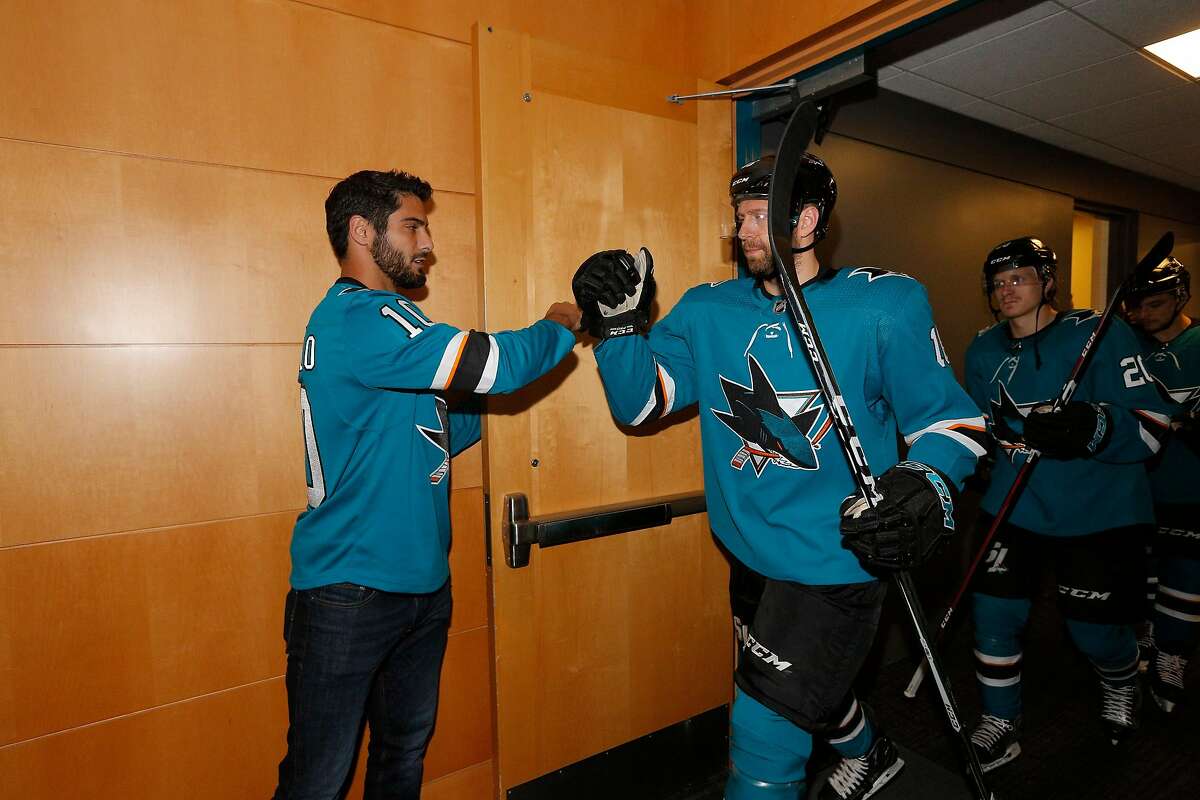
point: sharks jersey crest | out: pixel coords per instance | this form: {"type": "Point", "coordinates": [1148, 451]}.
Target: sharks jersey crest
{"type": "Point", "coordinates": [1161, 362]}
{"type": "Point", "coordinates": [780, 428]}
{"type": "Point", "coordinates": [1004, 412]}
{"type": "Point", "coordinates": [439, 437]}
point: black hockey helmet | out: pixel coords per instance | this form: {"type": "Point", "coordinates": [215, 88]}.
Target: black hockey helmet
{"type": "Point", "coordinates": [1168, 276]}
{"type": "Point", "coordinates": [814, 186]}
{"type": "Point", "coordinates": [1015, 253]}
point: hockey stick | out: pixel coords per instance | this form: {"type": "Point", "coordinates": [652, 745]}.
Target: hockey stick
{"type": "Point", "coordinates": [1153, 258]}
{"type": "Point", "coordinates": [796, 136]}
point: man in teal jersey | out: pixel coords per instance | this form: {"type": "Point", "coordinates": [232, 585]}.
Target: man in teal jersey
{"type": "Point", "coordinates": [1171, 352]}
{"type": "Point", "coordinates": [367, 617]}
{"type": "Point", "coordinates": [805, 610]}
{"type": "Point", "coordinates": [1087, 504]}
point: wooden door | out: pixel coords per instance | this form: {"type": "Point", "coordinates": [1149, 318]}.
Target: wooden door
{"type": "Point", "coordinates": [601, 642]}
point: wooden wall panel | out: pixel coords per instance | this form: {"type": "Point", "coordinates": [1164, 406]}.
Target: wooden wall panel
{"type": "Point", "coordinates": [269, 84]}
{"type": "Point", "coordinates": [472, 783]}
{"type": "Point", "coordinates": [138, 437]}
{"type": "Point", "coordinates": [463, 735]}
{"type": "Point", "coordinates": [96, 439]}
{"type": "Point", "coordinates": [468, 560]}
{"type": "Point", "coordinates": [564, 176]}
{"type": "Point", "coordinates": [159, 251]}
{"type": "Point", "coordinates": [224, 745]}
{"type": "Point", "coordinates": [653, 32]}
{"type": "Point", "coordinates": [106, 626]}
{"type": "Point", "coordinates": [774, 39]}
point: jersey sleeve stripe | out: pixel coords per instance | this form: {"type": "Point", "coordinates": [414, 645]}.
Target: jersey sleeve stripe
{"type": "Point", "coordinates": [451, 357]}
{"type": "Point", "coordinates": [491, 366]}
{"type": "Point", "coordinates": [1153, 428]}
{"type": "Point", "coordinates": [661, 399]}
{"type": "Point", "coordinates": [471, 362]}
{"type": "Point", "coordinates": [971, 433]}
{"type": "Point", "coordinates": [667, 385]}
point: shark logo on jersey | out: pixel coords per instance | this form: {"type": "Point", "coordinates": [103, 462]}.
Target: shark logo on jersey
{"type": "Point", "coordinates": [440, 438]}
{"type": "Point", "coordinates": [875, 273]}
{"type": "Point", "coordinates": [1079, 315]}
{"type": "Point", "coordinates": [1004, 411]}
{"type": "Point", "coordinates": [780, 428]}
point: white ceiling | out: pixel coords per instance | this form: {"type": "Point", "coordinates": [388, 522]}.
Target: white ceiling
{"type": "Point", "coordinates": [1070, 73]}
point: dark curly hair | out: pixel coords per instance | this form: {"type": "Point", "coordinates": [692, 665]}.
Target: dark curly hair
{"type": "Point", "coordinates": [372, 195]}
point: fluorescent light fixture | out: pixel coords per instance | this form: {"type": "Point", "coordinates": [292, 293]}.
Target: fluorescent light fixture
{"type": "Point", "coordinates": [1182, 52]}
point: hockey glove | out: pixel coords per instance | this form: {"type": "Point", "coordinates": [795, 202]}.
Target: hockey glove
{"type": "Point", "coordinates": [915, 515]}
{"type": "Point", "coordinates": [615, 291]}
{"type": "Point", "coordinates": [1079, 430]}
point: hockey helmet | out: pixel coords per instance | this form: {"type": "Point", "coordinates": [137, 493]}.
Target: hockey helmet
{"type": "Point", "coordinates": [1168, 276]}
{"type": "Point", "coordinates": [814, 186]}
{"type": "Point", "coordinates": [1016, 253]}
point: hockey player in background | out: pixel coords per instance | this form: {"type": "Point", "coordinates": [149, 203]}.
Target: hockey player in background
{"type": "Point", "coordinates": [1171, 342]}
{"type": "Point", "coordinates": [1086, 508]}
{"type": "Point", "coordinates": [805, 609]}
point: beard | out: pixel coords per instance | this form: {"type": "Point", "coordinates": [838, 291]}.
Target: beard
{"type": "Point", "coordinates": [761, 264]}
{"type": "Point", "coordinates": [395, 265]}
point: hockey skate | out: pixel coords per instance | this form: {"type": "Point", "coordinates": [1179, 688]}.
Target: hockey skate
{"type": "Point", "coordinates": [859, 778]}
{"type": "Point", "coordinates": [1166, 680]}
{"type": "Point", "coordinates": [995, 741]}
{"type": "Point", "coordinates": [1120, 707]}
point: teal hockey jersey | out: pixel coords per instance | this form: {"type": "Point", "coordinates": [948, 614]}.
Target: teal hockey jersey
{"type": "Point", "coordinates": [1007, 377]}
{"type": "Point", "coordinates": [379, 435]}
{"type": "Point", "coordinates": [1175, 478]}
{"type": "Point", "coordinates": [774, 473]}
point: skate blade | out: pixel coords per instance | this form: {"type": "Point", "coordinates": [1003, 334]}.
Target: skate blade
{"type": "Point", "coordinates": [1166, 705]}
{"type": "Point", "coordinates": [886, 777]}
{"type": "Point", "coordinates": [1012, 752]}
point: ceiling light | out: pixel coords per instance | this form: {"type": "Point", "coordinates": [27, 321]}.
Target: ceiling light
{"type": "Point", "coordinates": [1182, 52]}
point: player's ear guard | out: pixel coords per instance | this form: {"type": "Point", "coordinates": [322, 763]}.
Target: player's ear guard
{"type": "Point", "coordinates": [615, 291]}
{"type": "Point", "coordinates": [914, 517]}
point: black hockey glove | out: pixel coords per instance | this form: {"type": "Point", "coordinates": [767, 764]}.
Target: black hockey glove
{"type": "Point", "coordinates": [615, 290]}
{"type": "Point", "coordinates": [1079, 430]}
{"type": "Point", "coordinates": [904, 530]}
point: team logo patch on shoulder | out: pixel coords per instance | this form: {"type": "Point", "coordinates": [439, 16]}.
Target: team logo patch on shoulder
{"type": "Point", "coordinates": [873, 274]}
{"type": "Point", "coordinates": [780, 428]}
{"type": "Point", "coordinates": [1079, 315]}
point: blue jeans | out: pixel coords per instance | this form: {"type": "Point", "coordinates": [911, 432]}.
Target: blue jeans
{"type": "Point", "coordinates": [353, 650]}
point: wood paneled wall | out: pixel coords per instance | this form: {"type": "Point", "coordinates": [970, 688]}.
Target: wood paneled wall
{"type": "Point", "coordinates": [163, 168]}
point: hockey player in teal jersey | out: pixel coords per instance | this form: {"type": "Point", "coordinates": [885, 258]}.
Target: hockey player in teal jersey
{"type": "Point", "coordinates": [805, 608]}
{"type": "Point", "coordinates": [367, 617]}
{"type": "Point", "coordinates": [1171, 342]}
{"type": "Point", "coordinates": [1087, 504]}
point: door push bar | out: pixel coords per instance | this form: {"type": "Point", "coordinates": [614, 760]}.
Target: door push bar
{"type": "Point", "coordinates": [521, 532]}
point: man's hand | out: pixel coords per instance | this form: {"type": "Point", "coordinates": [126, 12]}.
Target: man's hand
{"type": "Point", "coordinates": [1079, 430]}
{"type": "Point", "coordinates": [915, 515]}
{"type": "Point", "coordinates": [615, 291]}
{"type": "Point", "coordinates": [566, 314]}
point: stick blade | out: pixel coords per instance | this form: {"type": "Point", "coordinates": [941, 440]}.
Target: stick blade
{"type": "Point", "coordinates": [1154, 256]}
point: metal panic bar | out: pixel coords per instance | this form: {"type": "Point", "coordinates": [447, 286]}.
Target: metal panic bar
{"type": "Point", "coordinates": [521, 532]}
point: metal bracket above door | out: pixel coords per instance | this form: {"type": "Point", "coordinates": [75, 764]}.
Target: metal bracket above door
{"type": "Point", "coordinates": [522, 532]}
